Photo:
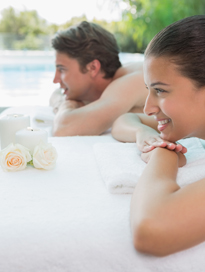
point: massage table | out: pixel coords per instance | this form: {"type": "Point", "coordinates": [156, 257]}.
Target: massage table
{"type": "Point", "coordinates": [65, 219]}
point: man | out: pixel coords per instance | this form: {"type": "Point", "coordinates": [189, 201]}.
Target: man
{"type": "Point", "coordinates": [97, 89]}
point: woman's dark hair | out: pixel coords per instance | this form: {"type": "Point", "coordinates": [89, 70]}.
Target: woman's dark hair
{"type": "Point", "coordinates": [183, 42]}
{"type": "Point", "coordinates": [86, 42]}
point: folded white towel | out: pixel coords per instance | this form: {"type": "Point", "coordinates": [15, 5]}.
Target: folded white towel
{"type": "Point", "coordinates": [44, 118]}
{"type": "Point", "coordinates": [120, 164]}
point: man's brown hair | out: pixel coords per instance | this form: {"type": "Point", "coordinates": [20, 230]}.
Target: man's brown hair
{"type": "Point", "coordinates": [86, 42]}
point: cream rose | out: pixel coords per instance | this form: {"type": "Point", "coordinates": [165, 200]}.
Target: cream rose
{"type": "Point", "coordinates": [44, 156]}
{"type": "Point", "coordinates": [14, 157]}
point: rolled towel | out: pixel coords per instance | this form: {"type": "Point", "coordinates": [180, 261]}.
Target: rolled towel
{"type": "Point", "coordinates": [120, 164]}
{"type": "Point", "coordinates": [44, 118]}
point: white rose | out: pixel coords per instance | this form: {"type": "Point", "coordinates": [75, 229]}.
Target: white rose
{"type": "Point", "coordinates": [14, 157]}
{"type": "Point", "coordinates": [44, 156]}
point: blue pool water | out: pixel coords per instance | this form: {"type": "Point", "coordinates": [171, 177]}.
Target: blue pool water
{"type": "Point", "coordinates": [14, 79]}
{"type": "Point", "coordinates": [30, 84]}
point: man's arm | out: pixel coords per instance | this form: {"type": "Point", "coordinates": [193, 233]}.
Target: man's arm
{"type": "Point", "coordinates": [95, 118]}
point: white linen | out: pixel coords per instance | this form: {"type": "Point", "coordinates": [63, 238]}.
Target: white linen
{"type": "Point", "coordinates": [120, 164]}
{"type": "Point", "coordinates": [64, 220]}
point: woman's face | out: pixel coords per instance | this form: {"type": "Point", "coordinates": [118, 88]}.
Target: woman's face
{"type": "Point", "coordinates": [175, 102]}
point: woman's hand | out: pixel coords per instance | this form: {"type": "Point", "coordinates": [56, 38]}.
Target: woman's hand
{"type": "Point", "coordinates": [148, 139]}
{"type": "Point", "coordinates": [181, 158]}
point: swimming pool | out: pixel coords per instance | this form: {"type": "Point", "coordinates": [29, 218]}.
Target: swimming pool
{"type": "Point", "coordinates": [26, 77]}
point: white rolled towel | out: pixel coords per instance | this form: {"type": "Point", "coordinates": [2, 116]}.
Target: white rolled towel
{"type": "Point", "coordinates": [120, 164]}
{"type": "Point", "coordinates": [44, 117]}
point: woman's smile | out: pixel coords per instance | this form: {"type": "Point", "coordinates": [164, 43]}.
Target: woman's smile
{"type": "Point", "coordinates": [162, 124]}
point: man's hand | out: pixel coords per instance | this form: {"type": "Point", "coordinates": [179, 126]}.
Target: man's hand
{"type": "Point", "coordinates": [56, 99]}
{"type": "Point", "coordinates": [181, 158]}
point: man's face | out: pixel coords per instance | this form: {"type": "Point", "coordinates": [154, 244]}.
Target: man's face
{"type": "Point", "coordinates": [76, 84]}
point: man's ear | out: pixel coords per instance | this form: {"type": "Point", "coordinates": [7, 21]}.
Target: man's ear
{"type": "Point", "coordinates": [93, 67]}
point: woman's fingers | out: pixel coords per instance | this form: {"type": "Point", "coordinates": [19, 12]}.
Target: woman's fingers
{"type": "Point", "coordinates": [152, 143]}
{"type": "Point", "coordinates": [147, 148]}
{"type": "Point", "coordinates": [171, 146]}
{"type": "Point", "coordinates": [184, 149]}
{"type": "Point", "coordinates": [180, 148]}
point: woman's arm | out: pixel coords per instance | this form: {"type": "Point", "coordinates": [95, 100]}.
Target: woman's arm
{"type": "Point", "coordinates": [140, 128]}
{"type": "Point", "coordinates": [164, 217]}
{"type": "Point", "coordinates": [125, 127]}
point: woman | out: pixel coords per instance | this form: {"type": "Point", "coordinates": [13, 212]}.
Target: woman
{"type": "Point", "coordinates": [164, 217]}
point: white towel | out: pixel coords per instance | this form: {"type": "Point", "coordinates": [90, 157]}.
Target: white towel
{"type": "Point", "coordinates": [44, 118]}
{"type": "Point", "coordinates": [120, 164]}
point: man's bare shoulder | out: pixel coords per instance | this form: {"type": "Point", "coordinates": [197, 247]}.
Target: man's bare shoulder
{"type": "Point", "coordinates": [128, 88]}
{"type": "Point", "coordinates": [128, 68]}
